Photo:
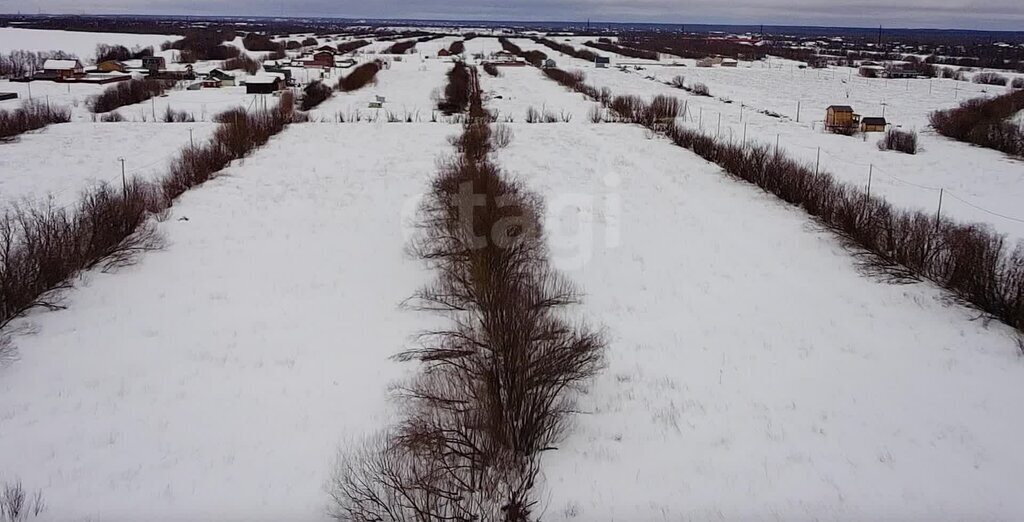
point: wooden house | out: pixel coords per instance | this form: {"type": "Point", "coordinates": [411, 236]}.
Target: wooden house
{"type": "Point", "coordinates": [840, 117]}
{"type": "Point", "coordinates": [111, 66]}
{"type": "Point", "coordinates": [63, 69]}
{"type": "Point", "coordinates": [873, 124]}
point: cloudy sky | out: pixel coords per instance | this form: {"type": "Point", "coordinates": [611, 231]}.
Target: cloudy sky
{"type": "Point", "coordinates": [976, 14]}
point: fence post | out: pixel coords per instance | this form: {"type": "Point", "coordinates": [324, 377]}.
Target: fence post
{"type": "Point", "coordinates": [938, 213]}
{"type": "Point", "coordinates": [719, 131]}
{"type": "Point", "coordinates": [744, 135]}
{"type": "Point", "coordinates": [776, 145]}
{"type": "Point", "coordinates": [700, 122]}
{"type": "Point", "coordinates": [817, 161]}
{"type": "Point", "coordinates": [871, 171]}
{"type": "Point", "coordinates": [798, 111]}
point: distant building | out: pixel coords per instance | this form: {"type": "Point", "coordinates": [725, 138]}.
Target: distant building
{"type": "Point", "coordinates": [63, 69]}
{"type": "Point", "coordinates": [154, 63]}
{"type": "Point", "coordinates": [321, 59]}
{"type": "Point", "coordinates": [111, 66]}
{"type": "Point", "coordinates": [873, 124]}
{"type": "Point", "coordinates": [602, 62]}
{"type": "Point", "coordinates": [705, 62]}
{"type": "Point", "coordinates": [222, 78]}
{"type": "Point", "coordinates": [729, 62]}
{"type": "Point", "coordinates": [443, 53]}
{"type": "Point", "coordinates": [265, 84]}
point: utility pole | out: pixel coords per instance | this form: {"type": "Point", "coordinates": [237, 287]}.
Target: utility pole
{"type": "Point", "coordinates": [191, 141]}
{"type": "Point", "coordinates": [798, 111]}
{"type": "Point", "coordinates": [124, 182]}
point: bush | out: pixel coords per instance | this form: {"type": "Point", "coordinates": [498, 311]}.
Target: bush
{"type": "Point", "coordinates": [679, 82]}
{"type": "Point", "coordinates": [242, 62]}
{"type": "Point", "coordinates": [205, 45]}
{"type": "Point", "coordinates": [17, 506]}
{"type": "Point", "coordinates": [173, 116]}
{"type": "Point", "coordinates": [990, 78]}
{"type": "Point", "coordinates": [121, 53]}
{"type": "Point", "coordinates": [359, 77]}
{"type": "Point", "coordinates": [310, 42]}
{"type": "Point", "coordinates": [348, 47]}
{"type": "Point", "coordinates": [293, 45]}
{"type": "Point", "coordinates": [624, 51]}
{"type": "Point", "coordinates": [401, 47]}
{"type": "Point", "coordinates": [492, 69]}
{"type": "Point", "coordinates": [457, 47]}
{"type": "Point", "coordinates": [457, 90]}
{"type": "Point", "coordinates": [128, 93]}
{"type": "Point", "coordinates": [260, 42]}
{"type": "Point", "coordinates": [112, 117]}
{"type": "Point", "coordinates": [314, 94]}
{"type": "Point", "coordinates": [700, 89]}
{"type": "Point", "coordinates": [582, 54]}
{"type": "Point", "coordinates": [984, 122]}
{"type": "Point", "coordinates": [31, 115]}
{"type": "Point", "coordinates": [903, 141]}
{"type": "Point", "coordinates": [1018, 83]}
{"type": "Point", "coordinates": [534, 57]}
{"type": "Point", "coordinates": [953, 74]}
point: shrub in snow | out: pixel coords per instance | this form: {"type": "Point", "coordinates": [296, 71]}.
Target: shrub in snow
{"type": "Point", "coordinates": [173, 116]}
{"type": "Point", "coordinates": [17, 506]}
{"type": "Point", "coordinates": [896, 139]}
{"type": "Point", "coordinates": [456, 91]}
{"type": "Point", "coordinates": [242, 62]}
{"type": "Point", "coordinates": [990, 78]}
{"type": "Point", "coordinates": [359, 77]}
{"type": "Point", "coordinates": [984, 122]}
{"type": "Point", "coordinates": [31, 115]}
{"type": "Point", "coordinates": [679, 82]}
{"type": "Point", "coordinates": [314, 94]}
{"type": "Point", "coordinates": [348, 47]}
{"type": "Point", "coordinates": [491, 69]}
{"type": "Point", "coordinates": [1018, 83]}
{"type": "Point", "coordinates": [128, 93]}
{"type": "Point", "coordinates": [700, 89]}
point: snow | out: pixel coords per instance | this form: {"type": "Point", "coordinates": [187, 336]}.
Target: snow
{"type": "Point", "coordinates": [81, 44]}
{"type": "Point", "coordinates": [752, 374]}
{"type": "Point", "coordinates": [979, 177]}
{"type": "Point", "coordinates": [60, 161]}
{"type": "Point", "coordinates": [856, 400]}
{"type": "Point", "coordinates": [217, 378]}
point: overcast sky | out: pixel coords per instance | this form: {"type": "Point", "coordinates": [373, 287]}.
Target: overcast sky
{"type": "Point", "coordinates": [979, 14]}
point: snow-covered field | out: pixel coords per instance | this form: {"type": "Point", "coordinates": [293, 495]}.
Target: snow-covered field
{"type": "Point", "coordinates": [977, 176]}
{"type": "Point", "coordinates": [78, 43]}
{"type": "Point", "coordinates": [58, 162]}
{"type": "Point", "coordinates": [753, 373]}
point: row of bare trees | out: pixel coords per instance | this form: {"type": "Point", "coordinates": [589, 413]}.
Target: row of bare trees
{"type": "Point", "coordinates": [986, 122]}
{"type": "Point", "coordinates": [534, 57]}
{"type": "Point", "coordinates": [32, 115]}
{"type": "Point", "coordinates": [20, 63]}
{"type": "Point", "coordinates": [360, 77]}
{"type": "Point", "coordinates": [43, 247]}
{"type": "Point", "coordinates": [497, 385]}
{"type": "Point", "coordinates": [976, 264]}
{"type": "Point", "coordinates": [582, 54]}
{"type": "Point", "coordinates": [128, 93]}
{"type": "Point", "coordinates": [605, 44]}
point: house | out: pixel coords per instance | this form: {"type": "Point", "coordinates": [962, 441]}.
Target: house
{"type": "Point", "coordinates": [321, 59]}
{"type": "Point", "coordinates": [327, 49]}
{"type": "Point", "coordinates": [729, 62]}
{"type": "Point", "coordinates": [549, 64]}
{"type": "Point", "coordinates": [154, 63]}
{"type": "Point", "coordinates": [873, 124]}
{"type": "Point", "coordinates": [111, 66]}
{"type": "Point", "coordinates": [268, 84]}
{"type": "Point", "coordinates": [63, 69]}
{"type": "Point", "coordinates": [840, 117]}
{"type": "Point", "coordinates": [504, 56]}
{"type": "Point", "coordinates": [222, 78]}
{"type": "Point", "coordinates": [342, 63]}
{"type": "Point", "coordinates": [443, 53]}
{"type": "Point", "coordinates": [602, 62]}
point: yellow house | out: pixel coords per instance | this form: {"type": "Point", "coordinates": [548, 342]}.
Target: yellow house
{"type": "Point", "coordinates": [110, 66]}
{"type": "Point", "coordinates": [840, 117]}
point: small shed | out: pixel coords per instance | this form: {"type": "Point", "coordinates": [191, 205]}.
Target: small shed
{"type": "Point", "coordinates": [222, 78]}
{"type": "Point", "coordinates": [8, 96]}
{"type": "Point", "coordinates": [705, 62]}
{"type": "Point", "coordinates": [873, 124]}
{"type": "Point", "coordinates": [154, 63]}
{"type": "Point", "coordinates": [729, 62]}
{"type": "Point", "coordinates": [602, 62]}
{"type": "Point", "coordinates": [111, 66]}
{"type": "Point", "coordinates": [839, 116]}
{"type": "Point", "coordinates": [265, 85]}
{"type": "Point", "coordinates": [322, 59]}
{"type": "Point", "coordinates": [63, 68]}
